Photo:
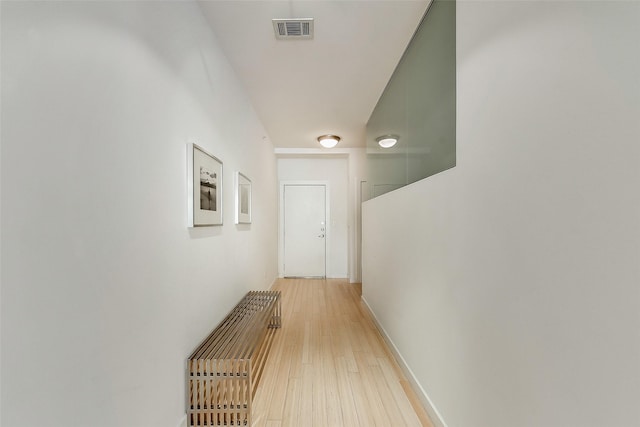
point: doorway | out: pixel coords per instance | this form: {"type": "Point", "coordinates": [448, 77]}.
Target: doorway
{"type": "Point", "coordinates": [304, 232]}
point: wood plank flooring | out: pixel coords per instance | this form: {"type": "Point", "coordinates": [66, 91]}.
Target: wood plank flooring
{"type": "Point", "coordinates": [329, 366]}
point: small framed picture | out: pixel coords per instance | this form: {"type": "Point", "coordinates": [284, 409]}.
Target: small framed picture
{"type": "Point", "coordinates": [204, 187]}
{"type": "Point", "coordinates": [243, 199]}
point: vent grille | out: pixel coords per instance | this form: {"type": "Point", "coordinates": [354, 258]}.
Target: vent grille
{"type": "Point", "coordinates": [294, 29]}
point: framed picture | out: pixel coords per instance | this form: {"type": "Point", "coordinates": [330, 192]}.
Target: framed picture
{"type": "Point", "coordinates": [204, 187]}
{"type": "Point", "coordinates": [243, 199]}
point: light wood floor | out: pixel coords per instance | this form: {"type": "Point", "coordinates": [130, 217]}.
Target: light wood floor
{"type": "Point", "coordinates": [329, 366]}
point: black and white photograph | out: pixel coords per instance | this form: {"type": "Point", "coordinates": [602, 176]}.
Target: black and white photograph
{"type": "Point", "coordinates": [208, 182]}
{"type": "Point", "coordinates": [204, 187]}
{"type": "Point", "coordinates": [243, 199]}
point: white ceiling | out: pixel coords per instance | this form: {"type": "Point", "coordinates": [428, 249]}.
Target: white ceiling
{"type": "Point", "coordinates": [302, 89]}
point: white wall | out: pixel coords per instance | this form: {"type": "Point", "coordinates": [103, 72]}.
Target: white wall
{"type": "Point", "coordinates": [105, 291]}
{"type": "Point", "coordinates": [335, 171]}
{"type": "Point", "coordinates": [357, 176]}
{"type": "Point", "coordinates": [509, 284]}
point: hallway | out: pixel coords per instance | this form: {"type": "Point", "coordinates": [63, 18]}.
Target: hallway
{"type": "Point", "coordinates": [329, 366]}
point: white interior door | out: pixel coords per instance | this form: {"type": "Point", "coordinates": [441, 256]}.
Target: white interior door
{"type": "Point", "coordinates": [304, 231]}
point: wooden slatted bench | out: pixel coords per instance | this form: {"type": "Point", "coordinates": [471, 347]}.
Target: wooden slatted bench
{"type": "Point", "coordinates": [223, 372]}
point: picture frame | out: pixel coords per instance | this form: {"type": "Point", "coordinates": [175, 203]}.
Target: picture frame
{"type": "Point", "coordinates": [243, 199]}
{"type": "Point", "coordinates": [204, 187]}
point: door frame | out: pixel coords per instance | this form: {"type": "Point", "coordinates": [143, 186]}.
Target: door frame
{"type": "Point", "coordinates": [327, 219]}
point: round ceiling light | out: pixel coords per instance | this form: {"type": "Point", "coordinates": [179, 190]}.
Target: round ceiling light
{"type": "Point", "coordinates": [387, 141]}
{"type": "Point", "coordinates": [328, 141]}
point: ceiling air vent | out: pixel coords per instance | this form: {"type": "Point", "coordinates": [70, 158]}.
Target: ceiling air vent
{"type": "Point", "coordinates": [293, 29]}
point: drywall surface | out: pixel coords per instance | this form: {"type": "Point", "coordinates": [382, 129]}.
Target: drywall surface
{"type": "Point", "coordinates": [509, 284]}
{"type": "Point", "coordinates": [105, 291]}
{"type": "Point", "coordinates": [335, 171]}
{"type": "Point", "coordinates": [358, 191]}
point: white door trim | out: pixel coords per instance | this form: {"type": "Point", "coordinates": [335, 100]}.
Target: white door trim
{"type": "Point", "coordinates": [327, 256]}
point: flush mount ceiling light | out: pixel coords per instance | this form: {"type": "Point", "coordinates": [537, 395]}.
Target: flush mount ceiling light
{"type": "Point", "coordinates": [328, 141]}
{"type": "Point", "coordinates": [387, 141]}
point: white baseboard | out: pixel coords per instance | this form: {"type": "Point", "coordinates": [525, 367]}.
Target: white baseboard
{"type": "Point", "coordinates": [183, 421]}
{"type": "Point", "coordinates": [428, 405]}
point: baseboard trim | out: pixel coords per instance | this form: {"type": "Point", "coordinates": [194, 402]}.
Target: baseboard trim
{"type": "Point", "coordinates": [428, 405]}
